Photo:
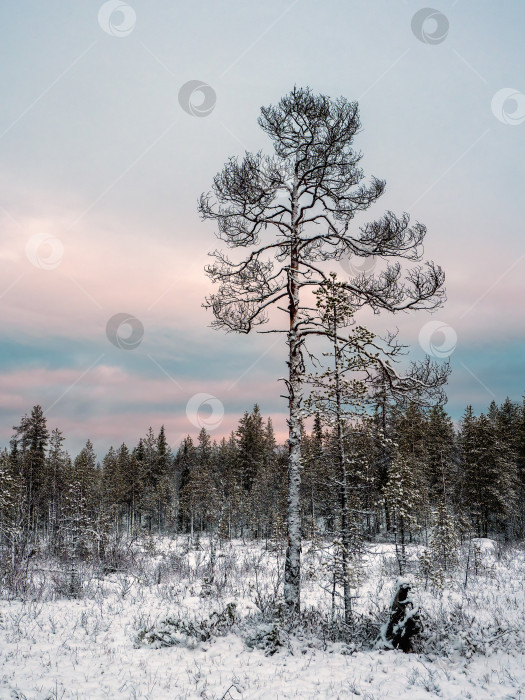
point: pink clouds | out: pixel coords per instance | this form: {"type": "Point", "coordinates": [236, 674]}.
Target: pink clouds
{"type": "Point", "coordinates": [99, 273]}
{"type": "Point", "coordinates": [106, 270]}
{"type": "Point", "coordinates": [117, 267]}
{"type": "Point", "coordinates": [108, 404]}
{"type": "Point", "coordinates": [102, 272]}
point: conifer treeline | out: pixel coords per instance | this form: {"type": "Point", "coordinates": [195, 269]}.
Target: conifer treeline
{"type": "Point", "coordinates": [408, 470]}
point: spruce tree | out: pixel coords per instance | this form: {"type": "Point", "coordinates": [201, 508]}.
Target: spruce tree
{"type": "Point", "coordinates": [251, 447]}
{"type": "Point", "coordinates": [441, 451]}
{"type": "Point", "coordinates": [185, 461]}
{"type": "Point", "coordinates": [31, 438]}
{"type": "Point", "coordinates": [403, 495]}
{"type": "Point", "coordinates": [165, 482]}
{"type": "Point", "coordinates": [520, 463]}
{"type": "Point", "coordinates": [489, 474]}
{"type": "Point", "coordinates": [231, 491]}
{"type": "Point", "coordinates": [58, 465]}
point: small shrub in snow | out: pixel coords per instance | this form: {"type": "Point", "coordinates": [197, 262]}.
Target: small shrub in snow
{"type": "Point", "coordinates": [174, 631]}
{"type": "Point", "coordinates": [178, 564]}
{"type": "Point", "coordinates": [207, 588]}
{"type": "Point", "coordinates": [312, 628]}
{"type": "Point", "coordinates": [69, 583]}
{"type": "Point", "coordinates": [269, 637]}
{"type": "Point", "coordinates": [460, 628]}
{"type": "Point", "coordinates": [430, 572]}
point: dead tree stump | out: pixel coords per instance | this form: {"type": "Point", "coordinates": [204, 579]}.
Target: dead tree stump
{"type": "Point", "coordinates": [405, 622]}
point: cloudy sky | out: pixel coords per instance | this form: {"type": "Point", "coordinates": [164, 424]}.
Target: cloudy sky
{"type": "Point", "coordinates": [101, 165]}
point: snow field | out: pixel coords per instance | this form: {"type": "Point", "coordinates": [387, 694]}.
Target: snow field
{"type": "Point", "coordinates": [473, 643]}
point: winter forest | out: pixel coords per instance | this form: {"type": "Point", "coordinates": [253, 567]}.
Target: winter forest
{"type": "Point", "coordinates": [410, 478]}
{"type": "Point", "coordinates": [342, 510]}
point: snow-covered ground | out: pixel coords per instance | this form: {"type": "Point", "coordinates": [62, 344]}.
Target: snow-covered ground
{"type": "Point", "coordinates": [54, 647]}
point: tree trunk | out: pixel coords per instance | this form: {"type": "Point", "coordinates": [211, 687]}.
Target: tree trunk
{"type": "Point", "coordinates": [292, 595]}
{"type": "Point", "coordinates": [314, 528]}
{"type": "Point", "coordinates": [292, 571]}
{"type": "Point", "coordinates": [345, 522]}
{"type": "Point", "coordinates": [402, 536]}
{"type": "Point", "coordinates": [345, 515]}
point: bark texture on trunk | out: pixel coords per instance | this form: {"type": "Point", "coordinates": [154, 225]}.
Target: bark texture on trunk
{"type": "Point", "coordinates": [292, 571]}
{"type": "Point", "coordinates": [345, 513]}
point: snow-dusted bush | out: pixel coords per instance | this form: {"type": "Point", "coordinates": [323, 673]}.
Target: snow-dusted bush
{"type": "Point", "coordinates": [69, 583]}
{"type": "Point", "coordinates": [176, 630]}
{"type": "Point", "coordinates": [269, 637]}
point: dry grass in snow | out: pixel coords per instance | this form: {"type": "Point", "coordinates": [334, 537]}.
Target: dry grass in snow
{"type": "Point", "coordinates": [97, 645]}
